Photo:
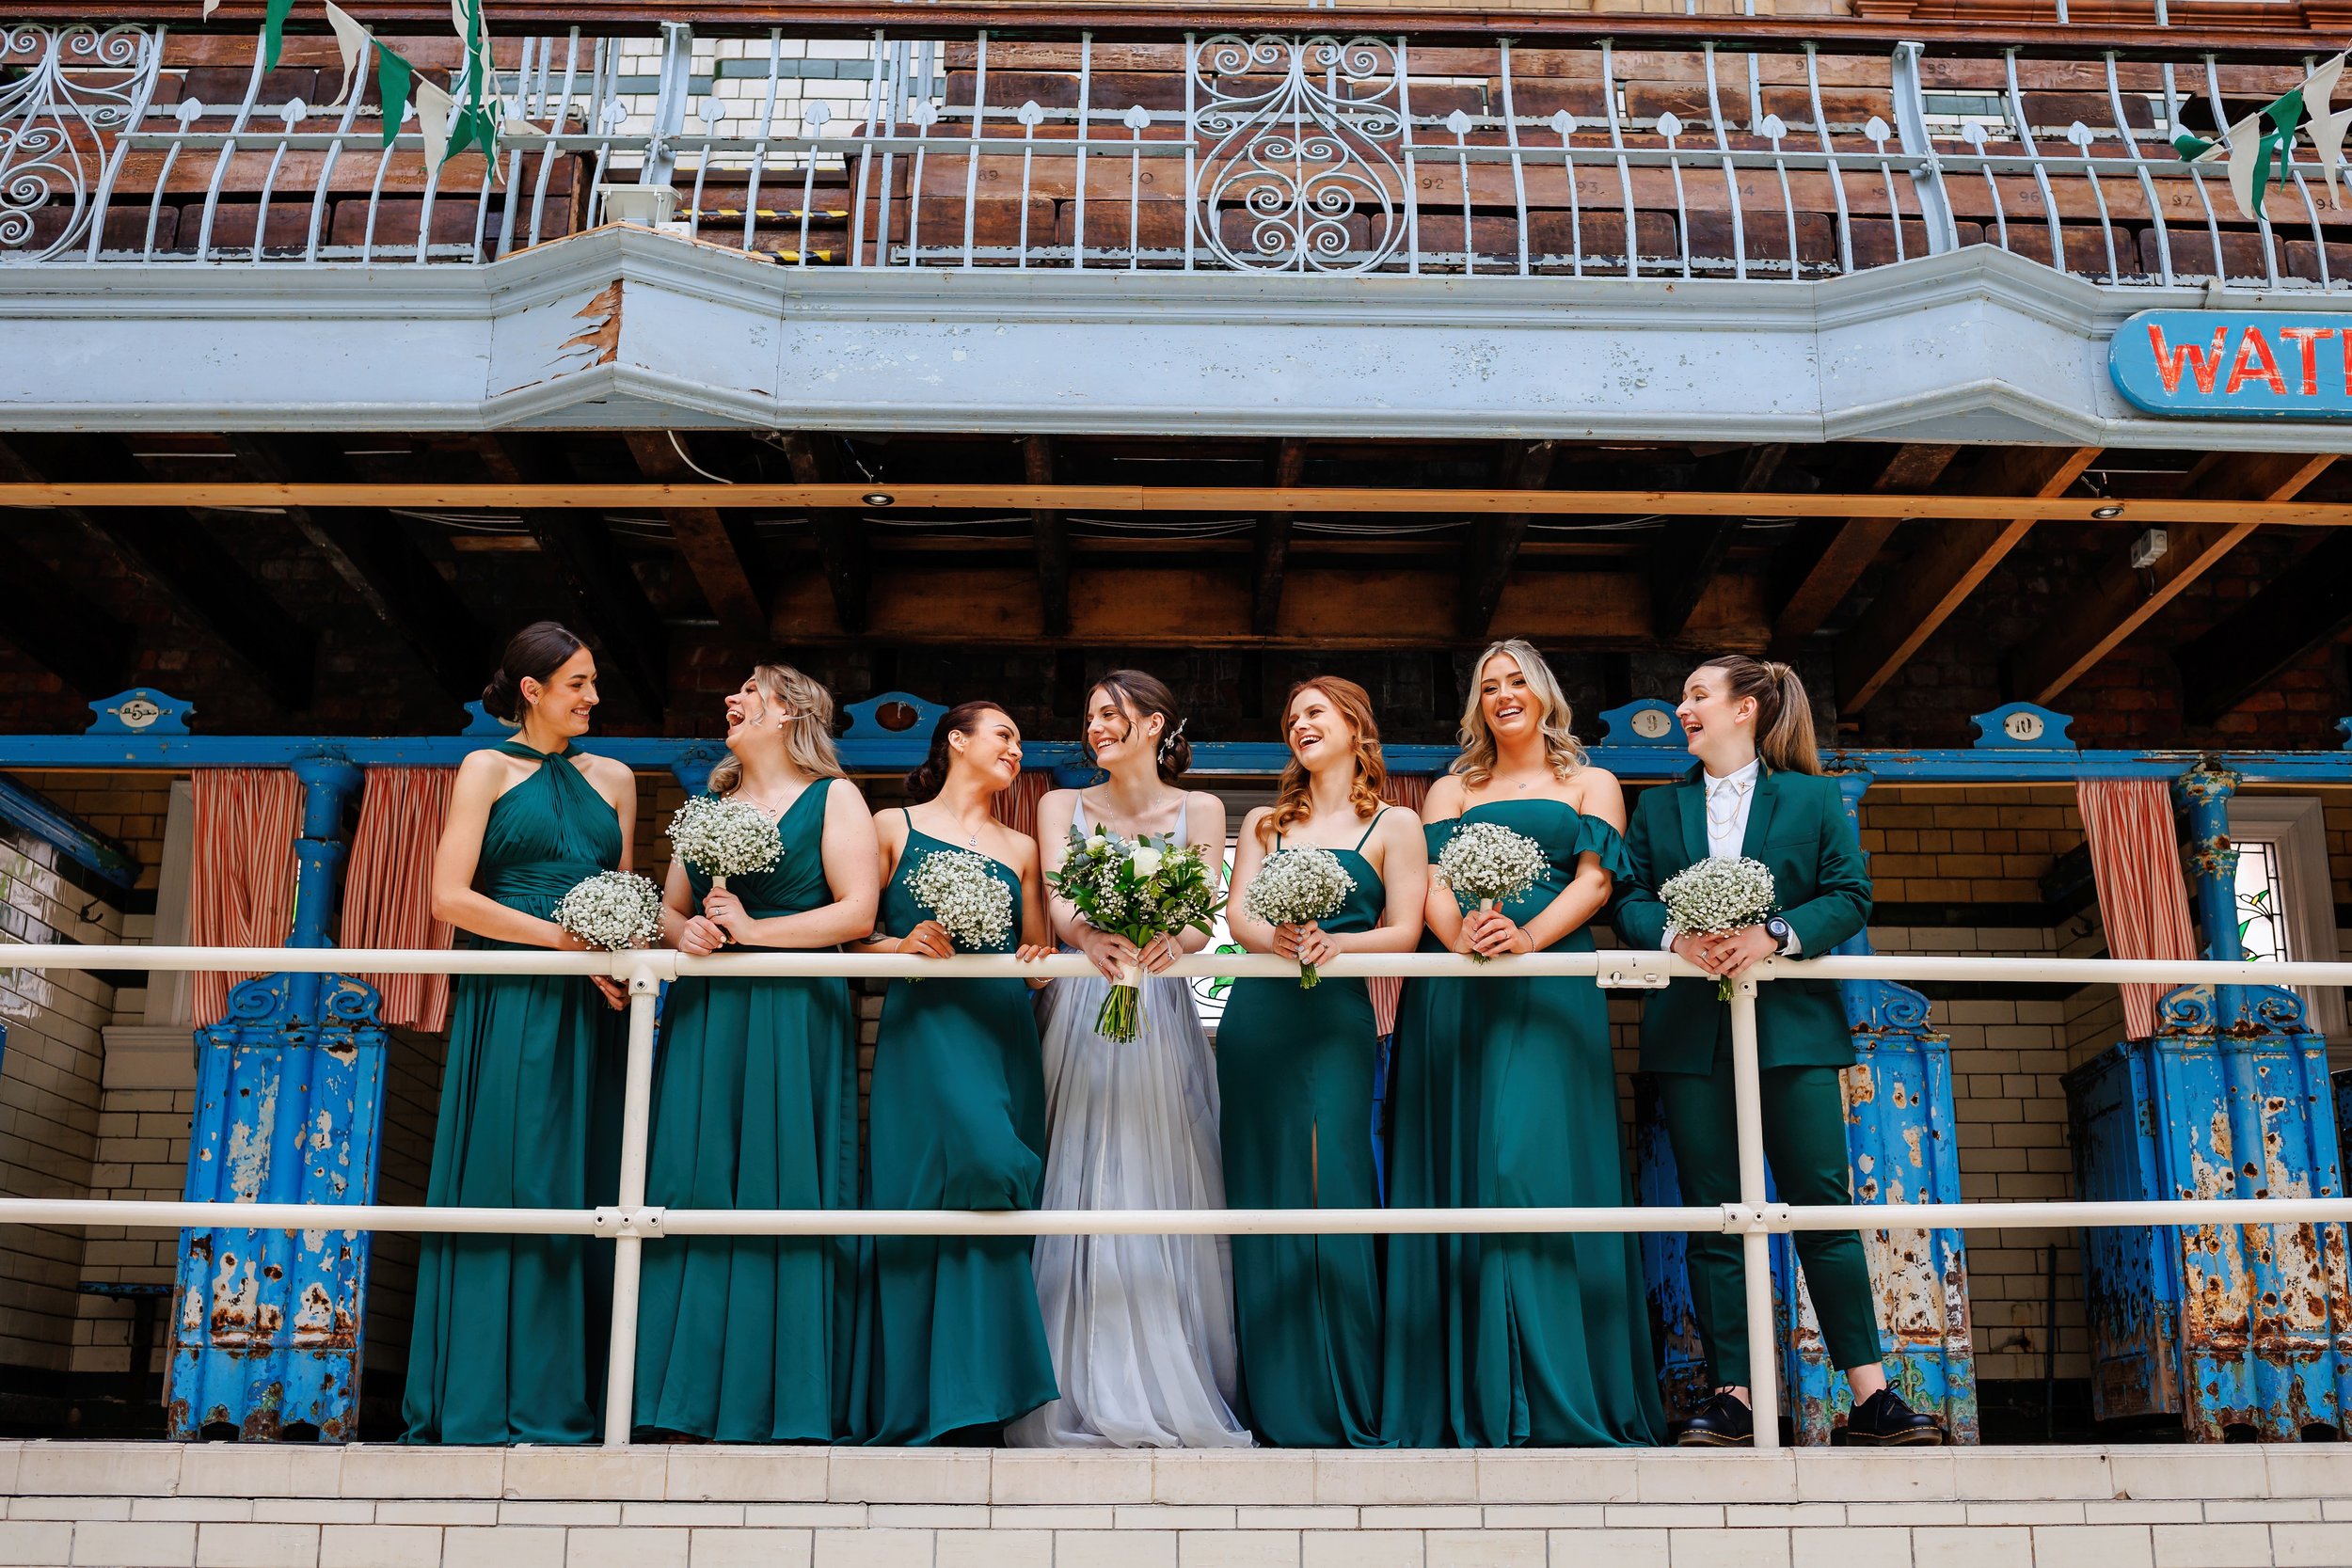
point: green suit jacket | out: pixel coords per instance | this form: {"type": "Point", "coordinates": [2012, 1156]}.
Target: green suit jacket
{"type": "Point", "coordinates": [1797, 826]}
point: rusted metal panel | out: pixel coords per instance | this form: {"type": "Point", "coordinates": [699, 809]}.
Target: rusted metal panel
{"type": "Point", "coordinates": [2244, 1329]}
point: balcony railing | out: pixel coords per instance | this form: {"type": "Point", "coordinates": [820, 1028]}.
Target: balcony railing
{"type": "Point", "coordinates": [630, 1222]}
{"type": "Point", "coordinates": [1238, 152]}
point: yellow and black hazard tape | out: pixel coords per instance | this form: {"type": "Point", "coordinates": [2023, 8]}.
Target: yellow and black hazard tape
{"type": "Point", "coordinates": [774, 214]}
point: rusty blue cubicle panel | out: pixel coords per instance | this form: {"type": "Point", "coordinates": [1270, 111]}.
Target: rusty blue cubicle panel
{"type": "Point", "coordinates": [2230, 1328]}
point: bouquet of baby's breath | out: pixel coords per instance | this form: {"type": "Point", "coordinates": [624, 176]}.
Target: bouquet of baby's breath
{"type": "Point", "coordinates": [722, 837]}
{"type": "Point", "coordinates": [1296, 887]}
{"type": "Point", "coordinates": [1719, 895]}
{"type": "Point", "coordinates": [613, 910]}
{"type": "Point", "coordinates": [1487, 863]}
{"type": "Point", "coordinates": [1137, 888]}
{"type": "Point", "coordinates": [966, 897]}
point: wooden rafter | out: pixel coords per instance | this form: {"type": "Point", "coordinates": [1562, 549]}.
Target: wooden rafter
{"type": "Point", "coordinates": [2304, 607]}
{"type": "Point", "coordinates": [369, 551]}
{"type": "Point", "coordinates": [173, 558]}
{"type": "Point", "coordinates": [1052, 539]}
{"type": "Point", "coordinates": [613, 606]}
{"type": "Point", "coordinates": [718, 547]}
{"type": "Point", "coordinates": [1683, 562]}
{"type": "Point", "coordinates": [1847, 548]}
{"type": "Point", "coordinates": [1494, 547]}
{"type": "Point", "coordinates": [1959, 555]}
{"type": "Point", "coordinates": [2126, 598]}
{"type": "Point", "coordinates": [840, 542]}
{"type": "Point", "coordinates": [1270, 558]}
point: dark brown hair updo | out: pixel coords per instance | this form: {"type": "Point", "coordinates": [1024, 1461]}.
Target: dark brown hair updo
{"type": "Point", "coordinates": [927, 781]}
{"type": "Point", "coordinates": [536, 653]}
{"type": "Point", "coordinates": [1145, 695]}
{"type": "Point", "coordinates": [1784, 714]}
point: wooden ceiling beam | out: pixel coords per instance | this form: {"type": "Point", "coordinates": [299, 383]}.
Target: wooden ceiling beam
{"type": "Point", "coordinates": [1960, 554]}
{"type": "Point", "coordinates": [1494, 547]}
{"type": "Point", "coordinates": [2125, 598]}
{"type": "Point", "coordinates": [1848, 547]}
{"type": "Point", "coordinates": [841, 550]}
{"type": "Point", "coordinates": [1053, 540]}
{"type": "Point", "coordinates": [368, 549]}
{"type": "Point", "coordinates": [173, 558]}
{"type": "Point", "coordinates": [1683, 562]}
{"type": "Point", "coordinates": [1271, 552]}
{"type": "Point", "coordinates": [614, 614]}
{"type": "Point", "coordinates": [718, 547]}
{"type": "Point", "coordinates": [2304, 608]}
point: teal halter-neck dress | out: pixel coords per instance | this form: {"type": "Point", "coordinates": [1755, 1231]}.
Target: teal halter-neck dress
{"type": "Point", "coordinates": [748, 1339]}
{"type": "Point", "coordinates": [953, 1339]}
{"type": "Point", "coordinates": [511, 1331]}
{"type": "Point", "coordinates": [1507, 1097]}
{"type": "Point", "coordinates": [1295, 1070]}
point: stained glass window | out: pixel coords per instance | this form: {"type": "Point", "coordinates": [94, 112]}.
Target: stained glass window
{"type": "Point", "coordinates": [2262, 930]}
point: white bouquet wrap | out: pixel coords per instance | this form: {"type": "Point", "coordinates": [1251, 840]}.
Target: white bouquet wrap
{"type": "Point", "coordinates": [613, 910]}
{"type": "Point", "coordinates": [967, 899]}
{"type": "Point", "coordinates": [1296, 887]}
{"type": "Point", "coordinates": [1141, 889]}
{"type": "Point", "coordinates": [1487, 863]}
{"type": "Point", "coordinates": [721, 837]}
{"type": "Point", "coordinates": [1719, 895]}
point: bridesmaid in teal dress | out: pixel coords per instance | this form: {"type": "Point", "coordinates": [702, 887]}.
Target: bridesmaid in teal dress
{"type": "Point", "coordinates": [953, 1341]}
{"type": "Point", "coordinates": [749, 1339]}
{"type": "Point", "coordinates": [511, 1331]}
{"type": "Point", "coordinates": [1545, 1338]}
{"type": "Point", "coordinates": [1296, 1075]}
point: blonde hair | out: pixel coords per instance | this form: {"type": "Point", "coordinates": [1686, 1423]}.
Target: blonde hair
{"type": "Point", "coordinates": [1476, 765]}
{"type": "Point", "coordinates": [808, 732]}
{"type": "Point", "coordinates": [1784, 715]}
{"type": "Point", "coordinates": [1290, 801]}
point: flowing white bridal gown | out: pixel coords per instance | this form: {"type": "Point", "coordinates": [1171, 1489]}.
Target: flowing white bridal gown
{"type": "Point", "coordinates": [1141, 1327]}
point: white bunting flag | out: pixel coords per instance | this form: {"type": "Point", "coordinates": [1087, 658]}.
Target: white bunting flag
{"type": "Point", "coordinates": [434, 107]}
{"type": "Point", "coordinates": [2245, 148]}
{"type": "Point", "coordinates": [2327, 127]}
{"type": "Point", "coordinates": [352, 40]}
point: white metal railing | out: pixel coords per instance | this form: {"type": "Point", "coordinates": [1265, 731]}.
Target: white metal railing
{"type": "Point", "coordinates": [628, 1222]}
{"type": "Point", "coordinates": [1257, 152]}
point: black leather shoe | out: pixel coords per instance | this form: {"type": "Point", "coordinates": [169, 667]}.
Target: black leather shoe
{"type": "Point", "coordinates": [1724, 1423]}
{"type": "Point", "coordinates": [1884, 1421]}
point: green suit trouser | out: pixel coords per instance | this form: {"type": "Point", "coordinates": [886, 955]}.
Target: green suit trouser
{"type": "Point", "coordinates": [1805, 1145]}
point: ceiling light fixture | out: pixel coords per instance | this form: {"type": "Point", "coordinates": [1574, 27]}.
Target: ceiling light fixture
{"type": "Point", "coordinates": [878, 498]}
{"type": "Point", "coordinates": [2106, 514]}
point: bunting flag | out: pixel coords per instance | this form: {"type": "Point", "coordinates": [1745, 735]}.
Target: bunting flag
{"type": "Point", "coordinates": [2259, 149]}
{"type": "Point", "coordinates": [352, 40]}
{"type": "Point", "coordinates": [446, 128]}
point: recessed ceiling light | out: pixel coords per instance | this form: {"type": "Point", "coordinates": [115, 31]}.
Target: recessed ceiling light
{"type": "Point", "coordinates": [878, 498]}
{"type": "Point", "coordinates": [2106, 514]}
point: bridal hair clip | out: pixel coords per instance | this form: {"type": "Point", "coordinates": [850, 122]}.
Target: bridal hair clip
{"type": "Point", "coordinates": [1168, 742]}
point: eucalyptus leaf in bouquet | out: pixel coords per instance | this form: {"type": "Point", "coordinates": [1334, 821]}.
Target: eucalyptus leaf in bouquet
{"type": "Point", "coordinates": [1297, 887]}
{"type": "Point", "coordinates": [613, 910]}
{"type": "Point", "coordinates": [1141, 889]}
{"type": "Point", "coordinates": [722, 837]}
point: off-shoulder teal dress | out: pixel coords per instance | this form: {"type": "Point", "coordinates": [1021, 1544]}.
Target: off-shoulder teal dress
{"type": "Point", "coordinates": [953, 1339]}
{"type": "Point", "coordinates": [1295, 1071]}
{"type": "Point", "coordinates": [1506, 1097]}
{"type": "Point", "coordinates": [511, 1331]}
{"type": "Point", "coordinates": [748, 1339]}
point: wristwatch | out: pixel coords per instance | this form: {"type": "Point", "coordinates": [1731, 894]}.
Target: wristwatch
{"type": "Point", "coordinates": [1778, 930]}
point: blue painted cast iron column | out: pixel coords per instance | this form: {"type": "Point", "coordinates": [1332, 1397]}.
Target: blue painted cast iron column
{"type": "Point", "coordinates": [266, 1323]}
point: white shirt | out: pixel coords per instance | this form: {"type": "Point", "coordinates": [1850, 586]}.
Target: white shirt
{"type": "Point", "coordinates": [1729, 801]}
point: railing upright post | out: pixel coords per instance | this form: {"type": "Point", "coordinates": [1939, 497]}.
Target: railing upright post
{"type": "Point", "coordinates": [1756, 1243]}
{"type": "Point", "coordinates": [1927, 171]}
{"type": "Point", "coordinates": [628, 1247]}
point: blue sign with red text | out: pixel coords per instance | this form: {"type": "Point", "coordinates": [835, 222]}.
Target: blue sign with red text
{"type": "Point", "coordinates": [2239, 364]}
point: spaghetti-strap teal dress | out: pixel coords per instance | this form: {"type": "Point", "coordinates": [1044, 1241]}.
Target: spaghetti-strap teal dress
{"type": "Point", "coordinates": [511, 1331]}
{"type": "Point", "coordinates": [748, 1339]}
{"type": "Point", "coordinates": [954, 1339]}
{"type": "Point", "coordinates": [1537, 1341]}
{"type": "Point", "coordinates": [1295, 1071]}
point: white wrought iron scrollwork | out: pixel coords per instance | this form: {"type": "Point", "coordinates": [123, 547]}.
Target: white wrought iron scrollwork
{"type": "Point", "coordinates": [65, 92]}
{"type": "Point", "coordinates": [1299, 133]}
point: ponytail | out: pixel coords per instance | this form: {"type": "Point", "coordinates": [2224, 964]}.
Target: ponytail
{"type": "Point", "coordinates": [1784, 714]}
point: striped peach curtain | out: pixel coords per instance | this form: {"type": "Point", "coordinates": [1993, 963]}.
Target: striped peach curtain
{"type": "Point", "coordinates": [241, 875]}
{"type": "Point", "coordinates": [1407, 790]}
{"type": "Point", "coordinates": [1016, 808]}
{"type": "Point", "coordinates": [388, 891]}
{"type": "Point", "coordinates": [2143, 899]}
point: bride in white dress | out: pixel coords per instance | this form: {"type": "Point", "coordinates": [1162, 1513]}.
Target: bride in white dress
{"type": "Point", "coordinates": [1141, 1327]}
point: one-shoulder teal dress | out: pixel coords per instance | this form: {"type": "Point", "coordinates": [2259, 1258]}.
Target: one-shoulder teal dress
{"type": "Point", "coordinates": [1496, 1341]}
{"type": "Point", "coordinates": [1295, 1071]}
{"type": "Point", "coordinates": [953, 1337]}
{"type": "Point", "coordinates": [748, 1339]}
{"type": "Point", "coordinates": [511, 1331]}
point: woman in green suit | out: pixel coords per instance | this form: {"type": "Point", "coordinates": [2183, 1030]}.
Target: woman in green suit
{"type": "Point", "coordinates": [510, 1337]}
{"type": "Point", "coordinates": [1759, 792]}
{"type": "Point", "coordinates": [954, 1342]}
{"type": "Point", "coordinates": [1496, 1341]}
{"type": "Point", "coordinates": [1295, 1072]}
{"type": "Point", "coordinates": [747, 1339]}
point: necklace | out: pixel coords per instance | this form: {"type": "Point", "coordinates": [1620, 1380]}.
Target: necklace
{"type": "Point", "coordinates": [1731, 795]}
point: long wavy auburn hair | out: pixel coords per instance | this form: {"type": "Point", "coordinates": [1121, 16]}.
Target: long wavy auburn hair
{"type": "Point", "coordinates": [1292, 804]}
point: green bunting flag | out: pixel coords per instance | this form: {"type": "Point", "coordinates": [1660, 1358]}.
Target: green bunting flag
{"type": "Point", "coordinates": [273, 31]}
{"type": "Point", "coordinates": [447, 129]}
